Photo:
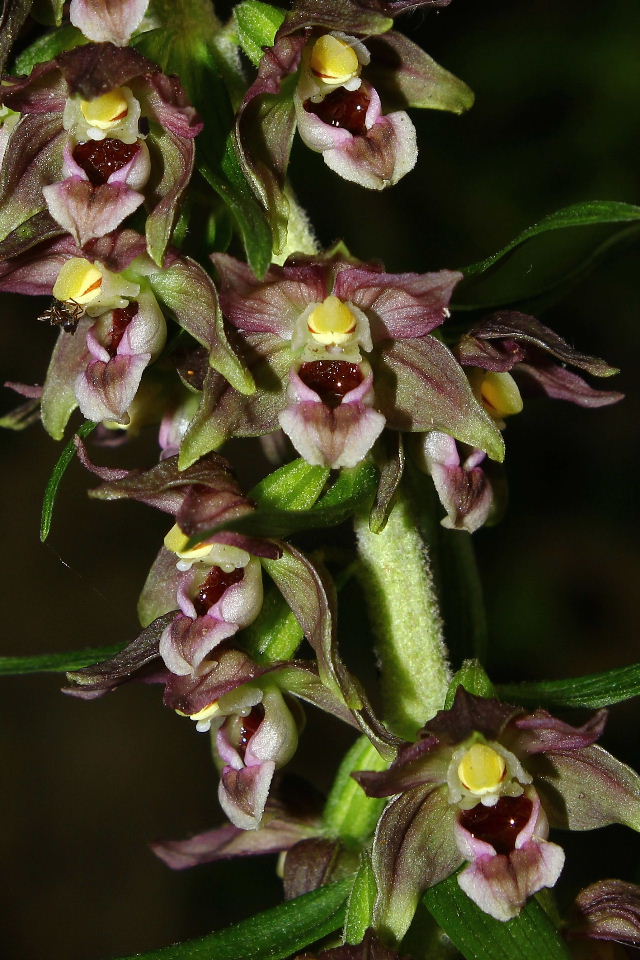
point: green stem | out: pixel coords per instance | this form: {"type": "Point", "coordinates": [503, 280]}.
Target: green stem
{"type": "Point", "coordinates": [404, 611]}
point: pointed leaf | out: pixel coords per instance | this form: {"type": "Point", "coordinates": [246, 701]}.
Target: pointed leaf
{"type": "Point", "coordinates": [473, 678]}
{"type": "Point", "coordinates": [55, 479]}
{"type": "Point", "coordinates": [349, 813]}
{"type": "Point", "coordinates": [592, 690]}
{"type": "Point", "coordinates": [295, 486]}
{"type": "Point", "coordinates": [530, 936]}
{"type": "Point", "coordinates": [548, 256]}
{"type": "Point", "coordinates": [270, 935]}
{"type": "Point", "coordinates": [361, 901]}
{"type": "Point", "coordinates": [56, 662]}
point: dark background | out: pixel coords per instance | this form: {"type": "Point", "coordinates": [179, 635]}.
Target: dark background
{"type": "Point", "coordinates": [87, 785]}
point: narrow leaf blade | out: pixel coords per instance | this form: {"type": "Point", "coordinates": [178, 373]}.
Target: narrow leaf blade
{"type": "Point", "coordinates": [592, 690]}
{"type": "Point", "coordinates": [529, 936]}
{"type": "Point", "coordinates": [270, 935]}
{"type": "Point", "coordinates": [69, 660]}
{"type": "Point", "coordinates": [55, 479]}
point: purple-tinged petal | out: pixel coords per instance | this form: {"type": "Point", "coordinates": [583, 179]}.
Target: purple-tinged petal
{"type": "Point", "coordinates": [96, 680]}
{"type": "Point", "coordinates": [86, 211]}
{"type": "Point", "coordinates": [406, 76]}
{"type": "Point", "coordinates": [539, 732]}
{"type": "Point", "coordinates": [561, 384]}
{"type": "Point", "coordinates": [309, 865]}
{"type": "Point", "coordinates": [118, 250]}
{"type": "Point", "coordinates": [158, 594]}
{"type": "Point", "coordinates": [35, 271]}
{"type": "Point", "coordinates": [228, 842]}
{"type": "Point", "coordinates": [413, 849]}
{"type": "Point", "coordinates": [271, 305]}
{"type": "Point", "coordinates": [520, 332]}
{"type": "Point", "coordinates": [464, 489]}
{"type": "Point", "coordinates": [419, 387]}
{"type": "Point", "coordinates": [400, 305]}
{"type": "Point", "coordinates": [265, 127]}
{"type": "Point", "coordinates": [243, 793]}
{"type": "Point", "coordinates": [164, 486]}
{"type": "Point", "coordinates": [175, 157]}
{"type": "Point", "coordinates": [33, 158]}
{"type": "Point", "coordinates": [43, 91]}
{"type": "Point", "coordinates": [301, 679]}
{"type": "Point", "coordinates": [69, 358]}
{"type": "Point", "coordinates": [222, 672]}
{"type": "Point", "coordinates": [165, 98]}
{"type": "Point", "coordinates": [395, 7]}
{"type": "Point", "coordinates": [417, 764]}
{"type": "Point", "coordinates": [339, 437]}
{"type": "Point", "coordinates": [107, 20]}
{"type": "Point", "coordinates": [586, 788]}
{"type": "Point", "coordinates": [471, 714]}
{"type": "Point", "coordinates": [377, 159]}
{"type": "Point", "coordinates": [105, 391]}
{"type": "Point", "coordinates": [224, 412]}
{"type": "Point", "coordinates": [186, 642]}
{"type": "Point", "coordinates": [501, 885]}
{"type": "Point", "coordinates": [95, 68]}
{"type": "Point", "coordinates": [105, 473]}
{"type": "Point", "coordinates": [390, 459]}
{"type": "Point", "coordinates": [609, 910]}
{"type": "Point", "coordinates": [350, 18]}
{"type": "Point", "coordinates": [189, 293]}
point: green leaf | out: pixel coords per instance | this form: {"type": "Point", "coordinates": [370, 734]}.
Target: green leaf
{"type": "Point", "coordinates": [353, 490]}
{"type": "Point", "coordinates": [257, 25]}
{"type": "Point", "coordinates": [529, 936]}
{"type": "Point", "coordinates": [349, 813]}
{"type": "Point", "coordinates": [473, 678]}
{"type": "Point", "coordinates": [270, 935]}
{"type": "Point", "coordinates": [592, 690]}
{"type": "Point", "coordinates": [361, 902]}
{"type": "Point", "coordinates": [55, 479]}
{"type": "Point", "coordinates": [48, 47]}
{"type": "Point", "coordinates": [275, 634]}
{"type": "Point", "coordinates": [56, 662]}
{"type": "Point", "coordinates": [296, 486]}
{"type": "Point", "coordinates": [190, 43]}
{"type": "Point", "coordinates": [48, 12]}
{"type": "Point", "coordinates": [545, 256]}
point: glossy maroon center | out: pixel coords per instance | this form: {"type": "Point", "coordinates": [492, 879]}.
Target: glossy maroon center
{"type": "Point", "coordinates": [121, 318]}
{"type": "Point", "coordinates": [498, 825]}
{"type": "Point", "coordinates": [331, 379]}
{"type": "Point", "coordinates": [212, 588]}
{"type": "Point", "coordinates": [248, 726]}
{"type": "Point", "coordinates": [346, 109]}
{"type": "Point", "coordinates": [100, 158]}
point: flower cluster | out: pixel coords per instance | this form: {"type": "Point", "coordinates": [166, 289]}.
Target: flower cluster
{"type": "Point", "coordinates": [362, 374]}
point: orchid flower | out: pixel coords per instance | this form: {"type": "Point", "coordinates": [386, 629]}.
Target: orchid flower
{"type": "Point", "coordinates": [340, 351]}
{"type": "Point", "coordinates": [101, 131]}
{"type": "Point", "coordinates": [480, 788]}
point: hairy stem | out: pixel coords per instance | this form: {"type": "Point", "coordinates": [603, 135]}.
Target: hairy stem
{"type": "Point", "coordinates": [404, 611]}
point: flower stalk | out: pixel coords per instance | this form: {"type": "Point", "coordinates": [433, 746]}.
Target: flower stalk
{"type": "Point", "coordinates": [403, 605]}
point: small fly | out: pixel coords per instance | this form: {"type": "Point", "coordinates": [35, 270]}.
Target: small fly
{"type": "Point", "coordinates": [64, 315]}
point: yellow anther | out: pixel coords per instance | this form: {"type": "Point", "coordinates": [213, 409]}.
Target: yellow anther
{"type": "Point", "coordinates": [333, 61]}
{"type": "Point", "coordinates": [78, 281]}
{"type": "Point", "coordinates": [176, 541]}
{"type": "Point", "coordinates": [205, 714]}
{"type": "Point", "coordinates": [481, 769]}
{"type": "Point", "coordinates": [500, 395]}
{"type": "Point", "coordinates": [106, 111]}
{"type": "Point", "coordinates": [332, 322]}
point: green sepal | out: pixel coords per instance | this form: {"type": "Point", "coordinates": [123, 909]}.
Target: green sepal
{"type": "Point", "coordinates": [257, 24]}
{"type": "Point", "coordinates": [529, 936]}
